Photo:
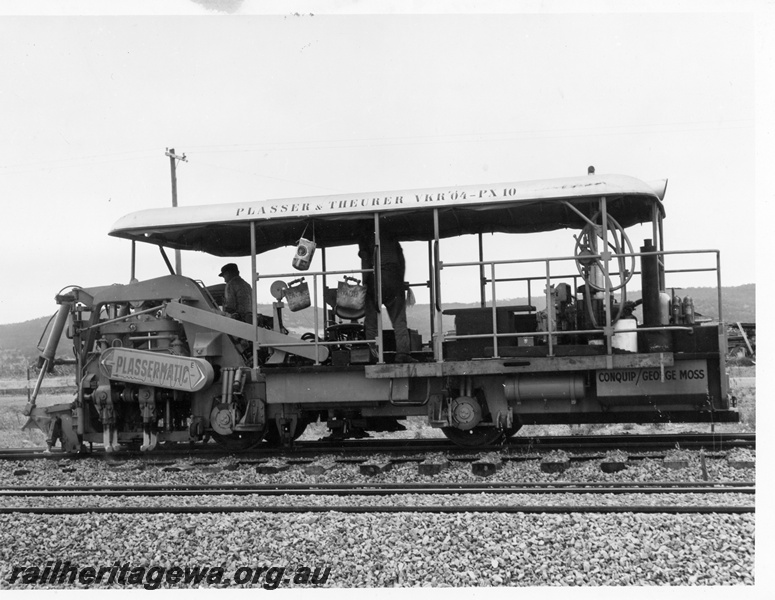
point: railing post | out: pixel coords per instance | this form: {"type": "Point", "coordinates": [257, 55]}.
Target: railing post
{"type": "Point", "coordinates": [494, 313]}
{"type": "Point", "coordinates": [549, 308]}
{"type": "Point", "coordinates": [315, 323]}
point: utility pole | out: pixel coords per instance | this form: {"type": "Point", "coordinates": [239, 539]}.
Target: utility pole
{"type": "Point", "coordinates": [173, 157]}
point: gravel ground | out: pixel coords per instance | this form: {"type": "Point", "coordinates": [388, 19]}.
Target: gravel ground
{"type": "Point", "coordinates": [395, 549]}
{"type": "Point", "coordinates": [481, 499]}
{"type": "Point", "coordinates": [84, 472]}
{"type": "Point", "coordinates": [378, 550]}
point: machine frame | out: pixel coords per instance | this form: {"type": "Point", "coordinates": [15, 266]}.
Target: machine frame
{"type": "Point", "coordinates": [581, 359]}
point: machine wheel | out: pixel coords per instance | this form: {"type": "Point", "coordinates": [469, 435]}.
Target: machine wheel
{"type": "Point", "coordinates": [239, 441]}
{"type": "Point", "coordinates": [478, 436]}
{"type": "Point", "coordinates": [272, 436]}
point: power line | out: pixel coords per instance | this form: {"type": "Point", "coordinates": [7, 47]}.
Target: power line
{"type": "Point", "coordinates": [685, 126]}
{"type": "Point", "coordinates": [345, 143]}
{"type": "Point", "coordinates": [262, 176]}
{"type": "Point", "coordinates": [53, 161]}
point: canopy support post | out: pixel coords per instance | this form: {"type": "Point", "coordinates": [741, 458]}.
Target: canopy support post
{"type": "Point", "coordinates": [133, 266]}
{"type": "Point", "coordinates": [606, 263]}
{"type": "Point", "coordinates": [254, 294]}
{"type": "Point", "coordinates": [482, 294]}
{"type": "Point", "coordinates": [378, 287]}
{"type": "Point", "coordinates": [436, 290]}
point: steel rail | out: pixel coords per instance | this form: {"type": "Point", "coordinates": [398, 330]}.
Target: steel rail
{"type": "Point", "coordinates": [386, 485]}
{"type": "Point", "coordinates": [434, 490]}
{"type": "Point", "coordinates": [341, 489]}
{"type": "Point", "coordinates": [439, 509]}
{"type": "Point", "coordinates": [537, 443]}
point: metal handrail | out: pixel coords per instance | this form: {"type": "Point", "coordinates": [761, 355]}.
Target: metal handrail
{"type": "Point", "coordinates": [608, 332]}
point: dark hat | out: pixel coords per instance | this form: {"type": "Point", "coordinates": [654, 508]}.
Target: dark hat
{"type": "Point", "coordinates": [229, 268]}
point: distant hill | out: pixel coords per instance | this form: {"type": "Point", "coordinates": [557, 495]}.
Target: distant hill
{"type": "Point", "coordinates": [18, 345]}
{"type": "Point", "coordinates": [18, 341]}
{"type": "Point", "coordinates": [19, 336]}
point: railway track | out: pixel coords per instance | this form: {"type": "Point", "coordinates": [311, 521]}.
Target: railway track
{"type": "Point", "coordinates": [342, 489]}
{"type": "Point", "coordinates": [588, 443]}
{"type": "Point", "coordinates": [468, 498]}
{"type": "Point", "coordinates": [436, 509]}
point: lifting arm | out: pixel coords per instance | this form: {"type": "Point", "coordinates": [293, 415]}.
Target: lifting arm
{"type": "Point", "coordinates": [245, 331]}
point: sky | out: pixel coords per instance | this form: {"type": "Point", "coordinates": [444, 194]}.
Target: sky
{"type": "Point", "coordinates": [307, 99]}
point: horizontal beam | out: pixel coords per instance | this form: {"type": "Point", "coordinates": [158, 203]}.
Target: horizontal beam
{"type": "Point", "coordinates": [526, 364]}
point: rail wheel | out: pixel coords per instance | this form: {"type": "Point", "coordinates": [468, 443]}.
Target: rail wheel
{"type": "Point", "coordinates": [512, 431]}
{"type": "Point", "coordinates": [478, 436]}
{"type": "Point", "coordinates": [239, 441]}
{"type": "Point", "coordinates": [224, 420]}
{"type": "Point", "coordinates": [273, 436]}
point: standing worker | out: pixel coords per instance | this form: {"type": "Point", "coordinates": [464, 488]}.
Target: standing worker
{"type": "Point", "coordinates": [392, 270]}
{"type": "Point", "coordinates": [238, 297]}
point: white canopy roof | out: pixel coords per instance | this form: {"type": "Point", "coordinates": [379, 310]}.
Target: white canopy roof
{"type": "Point", "coordinates": [224, 229]}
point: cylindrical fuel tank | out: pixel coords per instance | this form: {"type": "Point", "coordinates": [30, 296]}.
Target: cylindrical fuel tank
{"type": "Point", "coordinates": [625, 340]}
{"type": "Point", "coordinates": [664, 308]}
{"type": "Point", "coordinates": [521, 388]}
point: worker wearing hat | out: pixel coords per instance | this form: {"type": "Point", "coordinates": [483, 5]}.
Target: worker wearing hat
{"type": "Point", "coordinates": [238, 296]}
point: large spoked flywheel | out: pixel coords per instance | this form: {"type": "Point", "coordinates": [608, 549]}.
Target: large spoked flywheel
{"type": "Point", "coordinates": [590, 247]}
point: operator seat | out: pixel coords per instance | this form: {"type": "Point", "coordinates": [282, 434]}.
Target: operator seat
{"type": "Point", "coordinates": [342, 331]}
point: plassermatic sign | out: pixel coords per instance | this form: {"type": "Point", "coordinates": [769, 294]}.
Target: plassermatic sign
{"type": "Point", "coordinates": [159, 370]}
